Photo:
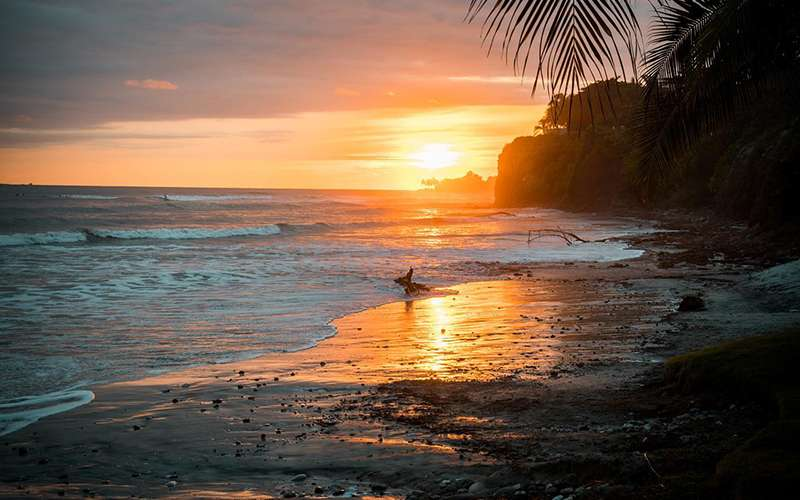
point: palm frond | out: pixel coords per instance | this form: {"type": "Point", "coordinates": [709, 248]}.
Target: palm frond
{"type": "Point", "coordinates": [710, 60]}
{"type": "Point", "coordinates": [573, 42]}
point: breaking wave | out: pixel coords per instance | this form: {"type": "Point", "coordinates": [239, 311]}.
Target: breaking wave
{"type": "Point", "coordinates": [7, 240]}
{"type": "Point", "coordinates": [211, 198]}
{"type": "Point", "coordinates": [164, 233]}
{"type": "Point", "coordinates": [87, 197]}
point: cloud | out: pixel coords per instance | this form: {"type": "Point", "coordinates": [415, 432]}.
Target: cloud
{"type": "Point", "coordinates": [346, 92]}
{"type": "Point", "coordinates": [500, 80]}
{"type": "Point", "coordinates": [85, 64]}
{"type": "Point", "coordinates": [151, 84]}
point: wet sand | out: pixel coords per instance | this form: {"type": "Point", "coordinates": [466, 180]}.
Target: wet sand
{"type": "Point", "coordinates": [529, 385]}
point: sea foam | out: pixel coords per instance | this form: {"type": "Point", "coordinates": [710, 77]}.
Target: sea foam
{"type": "Point", "coordinates": [185, 233]}
{"type": "Point", "coordinates": [22, 412]}
{"type": "Point", "coordinates": [211, 198]}
{"type": "Point", "coordinates": [164, 233]}
{"type": "Point", "coordinates": [41, 238]}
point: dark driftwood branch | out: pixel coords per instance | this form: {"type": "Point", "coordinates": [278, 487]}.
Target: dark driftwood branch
{"type": "Point", "coordinates": [570, 238]}
{"type": "Point", "coordinates": [409, 286]}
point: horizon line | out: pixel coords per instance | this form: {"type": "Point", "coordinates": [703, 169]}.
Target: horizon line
{"type": "Point", "coordinates": [3, 184]}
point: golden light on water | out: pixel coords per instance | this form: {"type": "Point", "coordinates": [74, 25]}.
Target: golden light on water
{"type": "Point", "coordinates": [435, 156]}
{"type": "Point", "coordinates": [439, 343]}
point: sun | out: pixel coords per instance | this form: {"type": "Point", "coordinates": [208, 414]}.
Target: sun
{"type": "Point", "coordinates": [434, 156]}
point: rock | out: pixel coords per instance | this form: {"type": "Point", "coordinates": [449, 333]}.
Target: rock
{"type": "Point", "coordinates": [319, 490]}
{"type": "Point", "coordinates": [476, 487]}
{"type": "Point", "coordinates": [378, 488]}
{"type": "Point", "coordinates": [136, 427]}
{"type": "Point", "coordinates": [288, 494]}
{"type": "Point", "coordinates": [172, 484]}
{"type": "Point", "coordinates": [550, 489]}
{"type": "Point", "coordinates": [508, 490]}
{"type": "Point", "coordinates": [558, 497]}
{"type": "Point", "coordinates": [691, 303]}
{"type": "Point", "coordinates": [299, 478]}
{"type": "Point", "coordinates": [462, 483]}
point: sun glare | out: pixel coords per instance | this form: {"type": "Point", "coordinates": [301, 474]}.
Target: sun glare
{"type": "Point", "coordinates": [433, 156]}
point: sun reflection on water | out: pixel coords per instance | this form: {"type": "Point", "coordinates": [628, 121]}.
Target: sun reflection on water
{"type": "Point", "coordinates": [440, 337]}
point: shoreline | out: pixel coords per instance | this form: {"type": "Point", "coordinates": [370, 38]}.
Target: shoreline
{"type": "Point", "coordinates": [488, 270]}
{"type": "Point", "coordinates": [361, 412]}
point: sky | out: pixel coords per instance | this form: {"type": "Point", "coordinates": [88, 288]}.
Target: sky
{"type": "Point", "coordinates": [267, 94]}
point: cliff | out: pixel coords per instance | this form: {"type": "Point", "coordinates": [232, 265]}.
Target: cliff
{"type": "Point", "coordinates": [560, 170]}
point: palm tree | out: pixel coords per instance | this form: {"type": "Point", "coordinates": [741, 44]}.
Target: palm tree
{"type": "Point", "coordinates": [708, 60]}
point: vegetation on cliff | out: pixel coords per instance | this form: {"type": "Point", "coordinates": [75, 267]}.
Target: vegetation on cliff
{"type": "Point", "coordinates": [716, 121]}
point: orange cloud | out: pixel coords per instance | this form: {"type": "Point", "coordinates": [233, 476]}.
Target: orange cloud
{"type": "Point", "coordinates": [151, 84]}
{"type": "Point", "coordinates": [345, 92]}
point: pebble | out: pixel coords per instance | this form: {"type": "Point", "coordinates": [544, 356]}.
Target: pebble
{"type": "Point", "coordinates": [476, 487]}
{"type": "Point", "coordinates": [172, 484]}
{"type": "Point", "coordinates": [298, 478]}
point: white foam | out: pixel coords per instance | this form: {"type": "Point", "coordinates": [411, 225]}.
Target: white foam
{"type": "Point", "coordinates": [41, 238]}
{"type": "Point", "coordinates": [30, 409]}
{"type": "Point", "coordinates": [186, 233]}
{"type": "Point", "coordinates": [228, 197]}
{"type": "Point", "coordinates": [88, 196]}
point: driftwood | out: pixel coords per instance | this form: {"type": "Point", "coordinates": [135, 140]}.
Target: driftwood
{"type": "Point", "coordinates": [409, 286]}
{"type": "Point", "coordinates": [570, 238]}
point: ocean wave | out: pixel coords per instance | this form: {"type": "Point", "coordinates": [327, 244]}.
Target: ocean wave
{"type": "Point", "coordinates": [182, 233]}
{"type": "Point", "coordinates": [213, 198]}
{"type": "Point", "coordinates": [17, 239]}
{"type": "Point", "coordinates": [88, 197]}
{"type": "Point", "coordinates": [163, 233]}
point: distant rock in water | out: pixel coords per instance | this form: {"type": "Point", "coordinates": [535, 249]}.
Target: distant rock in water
{"type": "Point", "coordinates": [470, 183]}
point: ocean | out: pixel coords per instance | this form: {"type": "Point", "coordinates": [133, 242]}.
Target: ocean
{"type": "Point", "coordinates": [106, 284]}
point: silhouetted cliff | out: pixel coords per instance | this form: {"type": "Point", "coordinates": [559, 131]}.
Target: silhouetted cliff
{"type": "Point", "coordinates": [750, 170]}
{"type": "Point", "coordinates": [563, 171]}
{"type": "Point", "coordinates": [470, 183]}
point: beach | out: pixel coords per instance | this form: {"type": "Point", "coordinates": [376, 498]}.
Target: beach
{"type": "Point", "coordinates": [542, 380]}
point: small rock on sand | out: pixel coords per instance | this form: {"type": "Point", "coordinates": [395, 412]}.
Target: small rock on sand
{"type": "Point", "coordinates": [476, 487]}
{"type": "Point", "coordinates": [691, 303]}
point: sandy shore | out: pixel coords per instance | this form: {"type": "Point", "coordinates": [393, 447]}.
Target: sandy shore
{"type": "Point", "coordinates": [540, 382]}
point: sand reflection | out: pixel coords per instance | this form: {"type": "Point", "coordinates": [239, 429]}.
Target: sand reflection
{"type": "Point", "coordinates": [476, 334]}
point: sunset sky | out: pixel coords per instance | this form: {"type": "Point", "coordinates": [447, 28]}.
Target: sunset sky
{"type": "Point", "coordinates": [295, 93]}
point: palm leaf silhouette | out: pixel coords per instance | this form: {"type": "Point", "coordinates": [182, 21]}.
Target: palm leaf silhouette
{"type": "Point", "coordinates": [573, 42]}
{"type": "Point", "coordinates": [709, 61]}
